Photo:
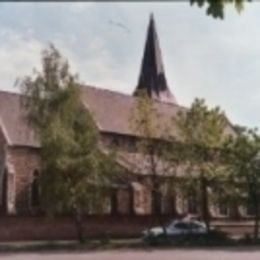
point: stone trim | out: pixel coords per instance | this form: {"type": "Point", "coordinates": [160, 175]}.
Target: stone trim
{"type": "Point", "coordinates": [11, 188]}
{"type": "Point", "coordinates": [5, 133]}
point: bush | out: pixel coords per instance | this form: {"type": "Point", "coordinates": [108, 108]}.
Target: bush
{"type": "Point", "coordinates": [214, 237]}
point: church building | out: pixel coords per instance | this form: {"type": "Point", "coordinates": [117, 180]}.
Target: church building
{"type": "Point", "coordinates": [19, 146]}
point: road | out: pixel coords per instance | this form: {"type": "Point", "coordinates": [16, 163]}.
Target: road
{"type": "Point", "coordinates": [199, 254]}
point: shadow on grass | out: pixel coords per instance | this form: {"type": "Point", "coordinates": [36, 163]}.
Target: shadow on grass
{"type": "Point", "coordinates": [228, 244]}
{"type": "Point", "coordinates": [71, 246]}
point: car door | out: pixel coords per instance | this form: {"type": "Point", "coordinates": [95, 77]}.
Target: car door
{"type": "Point", "coordinates": [197, 228]}
{"type": "Point", "coordinates": [181, 228]}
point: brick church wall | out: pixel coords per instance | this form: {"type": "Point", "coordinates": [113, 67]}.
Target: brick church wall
{"type": "Point", "coordinates": [2, 162]}
{"type": "Point", "coordinates": [24, 161]}
{"type": "Point", "coordinates": [123, 197]}
{"type": "Point", "coordinates": [22, 228]}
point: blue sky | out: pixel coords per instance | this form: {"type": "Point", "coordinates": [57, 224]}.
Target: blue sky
{"type": "Point", "coordinates": [203, 57]}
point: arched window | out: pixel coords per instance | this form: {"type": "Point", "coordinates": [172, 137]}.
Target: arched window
{"type": "Point", "coordinates": [35, 190]}
{"type": "Point", "coordinates": [115, 141]}
{"type": "Point", "coordinates": [114, 201]}
{"type": "Point", "coordinates": [192, 203]}
{"type": "Point", "coordinates": [223, 208]}
{"type": "Point", "coordinates": [4, 192]}
{"type": "Point", "coordinates": [250, 210]}
{"type": "Point", "coordinates": [156, 202]}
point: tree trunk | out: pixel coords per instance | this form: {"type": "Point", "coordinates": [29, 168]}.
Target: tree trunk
{"type": "Point", "coordinates": [254, 197]}
{"type": "Point", "coordinates": [131, 202]}
{"type": "Point", "coordinates": [162, 225]}
{"type": "Point", "coordinates": [156, 207]}
{"type": "Point", "coordinates": [156, 193]}
{"type": "Point", "coordinates": [157, 211]}
{"type": "Point", "coordinates": [114, 202]}
{"type": "Point", "coordinates": [204, 201]}
{"type": "Point", "coordinates": [256, 224]}
{"type": "Point", "coordinates": [79, 226]}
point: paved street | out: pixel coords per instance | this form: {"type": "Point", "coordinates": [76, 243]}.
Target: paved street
{"type": "Point", "coordinates": [211, 254]}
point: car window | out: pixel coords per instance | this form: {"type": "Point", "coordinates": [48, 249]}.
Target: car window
{"type": "Point", "coordinates": [195, 226]}
{"type": "Point", "coordinates": [182, 225]}
{"type": "Point", "coordinates": [172, 224]}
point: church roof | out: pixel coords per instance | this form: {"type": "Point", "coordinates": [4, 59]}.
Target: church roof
{"type": "Point", "coordinates": [152, 77]}
{"type": "Point", "coordinates": [13, 121]}
{"type": "Point", "coordinates": [111, 110]}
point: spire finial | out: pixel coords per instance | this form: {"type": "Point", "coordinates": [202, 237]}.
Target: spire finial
{"type": "Point", "coordinates": [152, 77]}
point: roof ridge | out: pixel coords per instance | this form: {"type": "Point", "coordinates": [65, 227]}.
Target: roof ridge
{"type": "Point", "coordinates": [105, 90]}
{"type": "Point", "coordinates": [8, 92]}
{"type": "Point", "coordinates": [130, 96]}
{"type": "Point", "coordinates": [97, 88]}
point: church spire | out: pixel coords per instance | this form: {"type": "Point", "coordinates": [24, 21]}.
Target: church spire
{"type": "Point", "coordinates": [152, 77]}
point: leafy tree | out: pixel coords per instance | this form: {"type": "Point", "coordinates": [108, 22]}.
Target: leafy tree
{"type": "Point", "coordinates": [202, 132]}
{"type": "Point", "coordinates": [152, 130]}
{"type": "Point", "coordinates": [216, 8]}
{"type": "Point", "coordinates": [243, 155]}
{"type": "Point", "coordinates": [74, 173]}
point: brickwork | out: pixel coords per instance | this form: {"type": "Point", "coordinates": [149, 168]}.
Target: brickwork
{"type": "Point", "coordinates": [24, 162]}
{"type": "Point", "coordinates": [21, 163]}
{"type": "Point", "coordinates": [24, 228]}
{"type": "Point", "coordinates": [141, 199]}
{"type": "Point", "coordinates": [124, 201]}
{"type": "Point", "coordinates": [43, 228]}
{"type": "Point", "coordinates": [2, 165]}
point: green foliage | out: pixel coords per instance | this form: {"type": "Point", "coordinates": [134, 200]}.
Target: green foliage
{"type": "Point", "coordinates": [202, 131]}
{"type": "Point", "coordinates": [145, 122]}
{"type": "Point", "coordinates": [242, 153]}
{"type": "Point", "coordinates": [244, 163]}
{"type": "Point", "coordinates": [150, 126]}
{"type": "Point", "coordinates": [74, 172]}
{"type": "Point", "coordinates": [243, 159]}
{"type": "Point", "coordinates": [216, 8]}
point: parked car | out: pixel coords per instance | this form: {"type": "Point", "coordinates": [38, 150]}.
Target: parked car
{"type": "Point", "coordinates": [177, 228]}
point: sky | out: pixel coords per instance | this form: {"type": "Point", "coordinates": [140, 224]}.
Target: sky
{"type": "Point", "coordinates": [218, 60]}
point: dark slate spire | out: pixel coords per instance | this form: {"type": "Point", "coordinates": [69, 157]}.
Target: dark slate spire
{"type": "Point", "coordinates": [152, 77]}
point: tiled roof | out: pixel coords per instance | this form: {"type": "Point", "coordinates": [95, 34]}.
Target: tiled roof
{"type": "Point", "coordinates": [111, 110]}
{"type": "Point", "coordinates": [13, 121]}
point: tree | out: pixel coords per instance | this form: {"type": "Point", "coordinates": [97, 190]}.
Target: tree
{"type": "Point", "coordinates": [74, 172]}
{"type": "Point", "coordinates": [150, 126]}
{"type": "Point", "coordinates": [243, 156]}
{"type": "Point", "coordinates": [202, 132]}
{"type": "Point", "coordinates": [216, 7]}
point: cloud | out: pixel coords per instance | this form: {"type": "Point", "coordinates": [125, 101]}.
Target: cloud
{"type": "Point", "coordinates": [19, 53]}
{"type": "Point", "coordinates": [203, 57]}
{"type": "Point", "coordinates": [79, 7]}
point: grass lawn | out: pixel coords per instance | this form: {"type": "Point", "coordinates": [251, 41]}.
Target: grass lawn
{"type": "Point", "coordinates": [112, 244]}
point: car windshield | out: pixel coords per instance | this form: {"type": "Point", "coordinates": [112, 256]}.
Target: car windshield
{"type": "Point", "coordinates": [172, 224]}
{"type": "Point", "coordinates": [182, 225]}
{"type": "Point", "coordinates": [185, 225]}
{"type": "Point", "coordinates": [195, 225]}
